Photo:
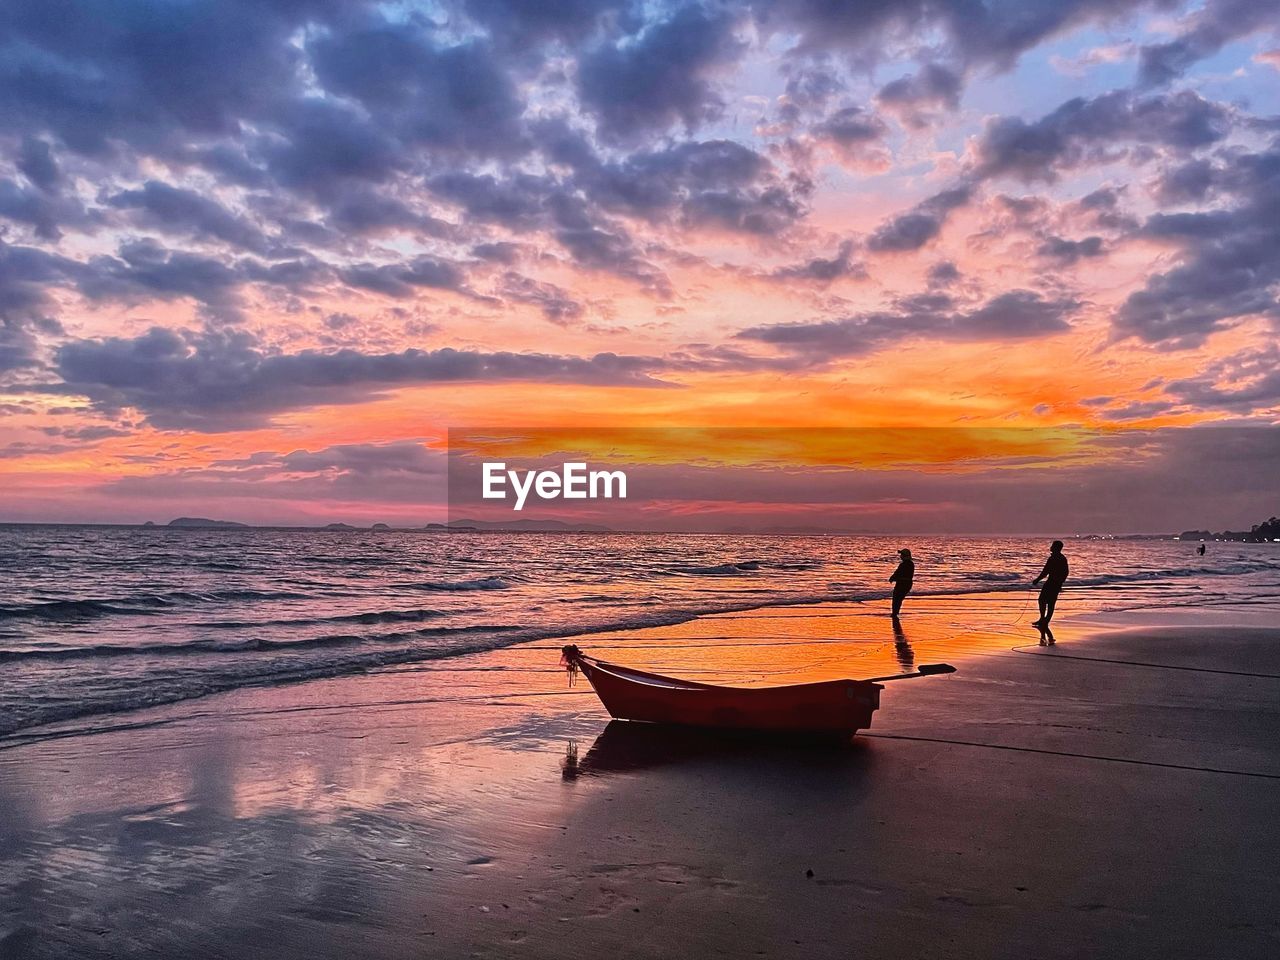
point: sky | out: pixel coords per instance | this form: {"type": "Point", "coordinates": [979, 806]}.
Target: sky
{"type": "Point", "coordinates": [258, 256]}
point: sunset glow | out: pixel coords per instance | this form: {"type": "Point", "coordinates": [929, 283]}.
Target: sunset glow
{"type": "Point", "coordinates": [256, 259]}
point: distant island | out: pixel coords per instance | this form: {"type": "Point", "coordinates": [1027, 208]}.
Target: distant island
{"type": "Point", "coordinates": [1265, 532]}
{"type": "Point", "coordinates": [1260, 533]}
{"type": "Point", "coordinates": [204, 522]}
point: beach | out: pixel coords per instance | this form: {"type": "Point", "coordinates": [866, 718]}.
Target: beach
{"type": "Point", "coordinates": [447, 445]}
{"type": "Point", "coordinates": [1111, 795]}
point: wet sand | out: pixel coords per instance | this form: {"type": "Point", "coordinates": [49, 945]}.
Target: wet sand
{"type": "Point", "coordinates": [1112, 795]}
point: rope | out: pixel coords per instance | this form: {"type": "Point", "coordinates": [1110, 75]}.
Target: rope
{"type": "Point", "coordinates": [701, 646]}
{"type": "Point", "coordinates": [1081, 756]}
{"type": "Point", "coordinates": [1026, 604]}
{"type": "Point", "coordinates": [1026, 650]}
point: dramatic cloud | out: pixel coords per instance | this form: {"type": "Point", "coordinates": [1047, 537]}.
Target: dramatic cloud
{"type": "Point", "coordinates": [853, 134]}
{"type": "Point", "coordinates": [914, 98]}
{"type": "Point", "coordinates": [20, 340]}
{"type": "Point", "coordinates": [402, 279]}
{"type": "Point", "coordinates": [223, 381]}
{"type": "Point", "coordinates": [1017, 315]}
{"type": "Point", "coordinates": [1239, 384]}
{"type": "Point", "coordinates": [810, 87]}
{"type": "Point", "coordinates": [520, 25]}
{"type": "Point", "coordinates": [364, 460]}
{"type": "Point", "coordinates": [1228, 257]}
{"type": "Point", "coordinates": [661, 77]}
{"type": "Point", "coordinates": [447, 97]}
{"type": "Point", "coordinates": [717, 183]}
{"type": "Point", "coordinates": [823, 269]}
{"type": "Point", "coordinates": [612, 251]}
{"type": "Point", "coordinates": [327, 145]}
{"type": "Point", "coordinates": [32, 207]}
{"type": "Point", "coordinates": [555, 302]}
{"type": "Point", "coordinates": [37, 164]}
{"type": "Point", "coordinates": [1085, 130]}
{"type": "Point", "coordinates": [943, 274]}
{"type": "Point", "coordinates": [26, 307]}
{"type": "Point", "coordinates": [912, 230]}
{"type": "Point", "coordinates": [103, 74]}
{"type": "Point", "coordinates": [1066, 252]}
{"type": "Point", "coordinates": [1206, 32]}
{"type": "Point", "coordinates": [995, 33]}
{"type": "Point", "coordinates": [401, 472]}
{"type": "Point", "coordinates": [162, 207]}
{"type": "Point", "coordinates": [367, 458]}
{"type": "Point", "coordinates": [143, 270]}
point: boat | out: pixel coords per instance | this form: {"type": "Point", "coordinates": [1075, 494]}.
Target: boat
{"type": "Point", "coordinates": [827, 707]}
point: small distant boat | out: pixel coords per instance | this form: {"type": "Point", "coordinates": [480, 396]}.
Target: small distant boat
{"type": "Point", "coordinates": [828, 707]}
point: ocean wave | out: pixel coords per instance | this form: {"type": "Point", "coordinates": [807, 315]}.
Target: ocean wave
{"type": "Point", "coordinates": [719, 569]}
{"type": "Point", "coordinates": [1171, 573]}
{"type": "Point", "coordinates": [373, 617]}
{"type": "Point", "coordinates": [481, 583]}
{"type": "Point", "coordinates": [138, 605]}
{"type": "Point", "coordinates": [76, 609]}
{"type": "Point", "coordinates": [735, 567]}
{"type": "Point", "coordinates": [247, 645]}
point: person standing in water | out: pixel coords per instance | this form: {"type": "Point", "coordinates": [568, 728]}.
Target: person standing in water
{"type": "Point", "coordinates": [902, 579]}
{"type": "Point", "coordinates": [1054, 576]}
{"type": "Point", "coordinates": [1201, 550]}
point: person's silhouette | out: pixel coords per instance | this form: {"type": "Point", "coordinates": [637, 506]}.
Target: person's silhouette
{"type": "Point", "coordinates": [902, 579]}
{"type": "Point", "coordinates": [1054, 576]}
{"type": "Point", "coordinates": [1201, 550]}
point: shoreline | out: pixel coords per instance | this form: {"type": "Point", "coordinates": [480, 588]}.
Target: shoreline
{"type": "Point", "coordinates": [392, 660]}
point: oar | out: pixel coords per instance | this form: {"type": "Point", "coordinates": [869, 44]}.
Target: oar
{"type": "Point", "coordinates": [924, 670]}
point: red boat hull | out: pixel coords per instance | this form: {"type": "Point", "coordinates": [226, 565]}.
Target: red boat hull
{"type": "Point", "coordinates": [834, 706]}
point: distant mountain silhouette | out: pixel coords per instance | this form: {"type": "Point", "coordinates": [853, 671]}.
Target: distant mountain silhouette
{"type": "Point", "coordinates": [204, 522]}
{"type": "Point", "coordinates": [1259, 533]}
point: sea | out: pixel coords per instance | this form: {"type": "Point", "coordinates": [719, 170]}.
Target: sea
{"type": "Point", "coordinates": [99, 620]}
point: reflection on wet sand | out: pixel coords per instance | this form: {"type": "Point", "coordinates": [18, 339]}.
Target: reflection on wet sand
{"type": "Point", "coordinates": [902, 647]}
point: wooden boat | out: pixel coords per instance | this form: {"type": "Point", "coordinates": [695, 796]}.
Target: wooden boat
{"type": "Point", "coordinates": [828, 707]}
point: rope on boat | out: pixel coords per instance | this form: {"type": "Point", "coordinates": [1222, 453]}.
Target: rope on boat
{"type": "Point", "coordinates": [1067, 753]}
{"type": "Point", "coordinates": [570, 657]}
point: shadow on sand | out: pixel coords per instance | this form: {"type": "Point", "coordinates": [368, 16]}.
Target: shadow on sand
{"type": "Point", "coordinates": [625, 746]}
